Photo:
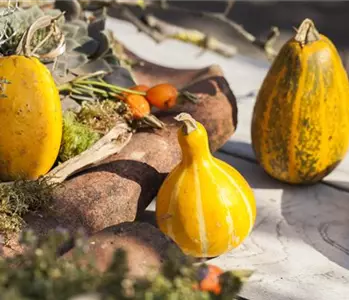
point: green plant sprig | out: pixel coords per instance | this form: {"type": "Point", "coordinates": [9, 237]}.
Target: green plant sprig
{"type": "Point", "coordinates": [40, 274]}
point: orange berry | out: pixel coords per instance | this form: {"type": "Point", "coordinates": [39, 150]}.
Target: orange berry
{"type": "Point", "coordinates": [209, 278]}
{"type": "Point", "coordinates": [138, 105]}
{"type": "Point", "coordinates": [162, 96]}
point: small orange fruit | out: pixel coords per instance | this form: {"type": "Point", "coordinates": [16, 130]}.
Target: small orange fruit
{"type": "Point", "coordinates": [138, 105]}
{"type": "Point", "coordinates": [162, 96]}
{"type": "Point", "coordinates": [208, 276]}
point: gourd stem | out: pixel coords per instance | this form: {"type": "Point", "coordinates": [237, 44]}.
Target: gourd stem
{"type": "Point", "coordinates": [189, 122]}
{"type": "Point", "coordinates": [189, 96]}
{"type": "Point", "coordinates": [307, 33]}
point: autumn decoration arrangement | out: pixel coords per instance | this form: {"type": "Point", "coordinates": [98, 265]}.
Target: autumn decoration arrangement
{"type": "Point", "coordinates": [71, 104]}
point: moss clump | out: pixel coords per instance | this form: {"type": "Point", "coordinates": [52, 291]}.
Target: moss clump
{"type": "Point", "coordinates": [77, 137]}
{"type": "Point", "coordinates": [40, 275]}
{"type": "Point", "coordinates": [102, 116]}
{"type": "Point", "coordinates": [18, 199]}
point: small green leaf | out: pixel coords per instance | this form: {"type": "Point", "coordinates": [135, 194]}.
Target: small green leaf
{"type": "Point", "coordinates": [91, 67]}
{"type": "Point", "coordinates": [71, 44]}
{"type": "Point", "coordinates": [74, 59]}
{"type": "Point", "coordinates": [121, 77]}
{"type": "Point", "coordinates": [70, 30]}
{"type": "Point", "coordinates": [88, 46]}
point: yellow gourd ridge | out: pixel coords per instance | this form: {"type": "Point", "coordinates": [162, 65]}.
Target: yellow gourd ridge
{"type": "Point", "coordinates": [300, 121]}
{"type": "Point", "coordinates": [30, 116]}
{"type": "Point", "coordinates": [204, 205]}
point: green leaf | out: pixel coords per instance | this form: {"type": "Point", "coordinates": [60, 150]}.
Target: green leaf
{"type": "Point", "coordinates": [74, 59]}
{"type": "Point", "coordinates": [91, 67]}
{"type": "Point", "coordinates": [71, 44]}
{"type": "Point", "coordinates": [70, 30]}
{"type": "Point", "coordinates": [120, 76]}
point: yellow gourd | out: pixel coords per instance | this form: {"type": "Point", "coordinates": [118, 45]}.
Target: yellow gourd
{"type": "Point", "coordinates": [204, 205]}
{"type": "Point", "coordinates": [300, 121]}
{"type": "Point", "coordinates": [30, 118]}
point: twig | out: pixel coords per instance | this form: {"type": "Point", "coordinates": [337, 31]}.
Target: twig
{"type": "Point", "coordinates": [266, 46]}
{"type": "Point", "coordinates": [128, 15]}
{"type": "Point", "coordinates": [229, 6]}
{"type": "Point", "coordinates": [113, 142]}
{"type": "Point", "coordinates": [45, 21]}
{"type": "Point", "coordinates": [190, 36]}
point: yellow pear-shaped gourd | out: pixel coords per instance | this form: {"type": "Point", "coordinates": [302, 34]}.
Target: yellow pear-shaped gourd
{"type": "Point", "coordinates": [300, 121]}
{"type": "Point", "coordinates": [30, 118]}
{"type": "Point", "coordinates": [204, 205]}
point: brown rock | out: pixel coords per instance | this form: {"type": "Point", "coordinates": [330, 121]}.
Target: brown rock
{"type": "Point", "coordinates": [145, 245]}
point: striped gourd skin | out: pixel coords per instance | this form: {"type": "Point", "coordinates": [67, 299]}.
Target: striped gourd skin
{"type": "Point", "coordinates": [300, 122]}
{"type": "Point", "coordinates": [204, 204]}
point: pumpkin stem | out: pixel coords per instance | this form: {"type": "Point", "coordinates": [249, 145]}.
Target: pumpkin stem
{"type": "Point", "coordinates": [307, 33]}
{"type": "Point", "coordinates": [189, 124]}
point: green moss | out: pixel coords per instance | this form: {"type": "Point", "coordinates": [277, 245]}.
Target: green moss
{"type": "Point", "coordinates": [18, 199]}
{"type": "Point", "coordinates": [79, 133]}
{"type": "Point", "coordinates": [101, 116]}
{"type": "Point", "coordinates": [77, 137]}
{"type": "Point", "coordinates": [40, 275]}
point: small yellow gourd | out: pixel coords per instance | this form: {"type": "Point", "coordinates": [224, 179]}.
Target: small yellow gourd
{"type": "Point", "coordinates": [30, 118]}
{"type": "Point", "coordinates": [204, 205]}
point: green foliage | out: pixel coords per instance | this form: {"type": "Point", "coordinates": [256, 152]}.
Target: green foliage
{"type": "Point", "coordinates": [77, 137]}
{"type": "Point", "coordinates": [39, 274]}
{"type": "Point", "coordinates": [89, 47]}
{"type": "Point", "coordinates": [101, 116]}
{"type": "Point", "coordinates": [14, 24]}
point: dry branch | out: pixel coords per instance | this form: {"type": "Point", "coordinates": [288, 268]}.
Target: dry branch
{"type": "Point", "coordinates": [264, 45]}
{"type": "Point", "coordinates": [190, 36]}
{"type": "Point", "coordinates": [110, 144]}
{"type": "Point", "coordinates": [128, 15]}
